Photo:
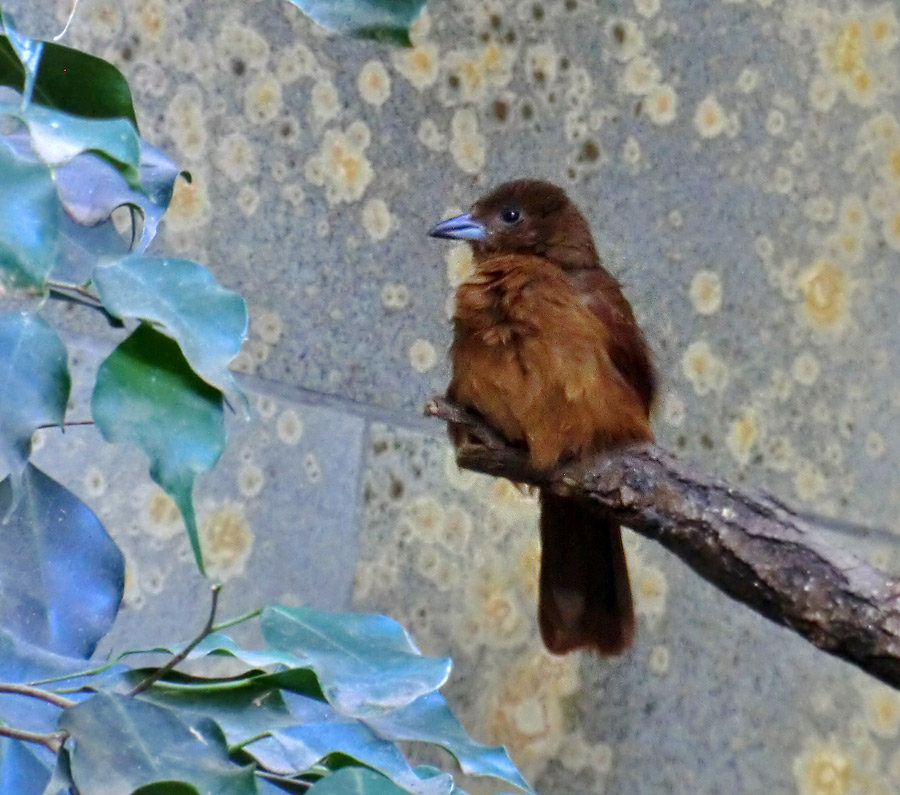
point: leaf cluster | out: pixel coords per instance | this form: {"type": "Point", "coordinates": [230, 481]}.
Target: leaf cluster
{"type": "Point", "coordinates": [321, 706]}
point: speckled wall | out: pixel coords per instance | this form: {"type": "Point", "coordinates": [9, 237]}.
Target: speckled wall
{"type": "Point", "coordinates": [740, 164]}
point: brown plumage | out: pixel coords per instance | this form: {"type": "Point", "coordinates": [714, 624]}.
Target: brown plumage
{"type": "Point", "coordinates": [547, 350]}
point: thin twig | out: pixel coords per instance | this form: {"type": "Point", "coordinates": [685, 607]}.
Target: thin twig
{"type": "Point", "coordinates": [249, 741]}
{"type": "Point", "coordinates": [237, 620]}
{"type": "Point", "coordinates": [284, 780]}
{"type": "Point", "coordinates": [51, 740]}
{"type": "Point", "coordinates": [62, 33]}
{"type": "Point", "coordinates": [159, 673]}
{"type": "Point", "coordinates": [62, 426]}
{"type": "Point", "coordinates": [34, 692]}
{"type": "Point", "coordinates": [78, 289]}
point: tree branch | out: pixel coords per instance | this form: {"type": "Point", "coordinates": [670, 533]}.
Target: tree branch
{"type": "Point", "coordinates": [52, 740]}
{"type": "Point", "coordinates": [208, 627]}
{"type": "Point", "coordinates": [35, 692]}
{"type": "Point", "coordinates": [746, 543]}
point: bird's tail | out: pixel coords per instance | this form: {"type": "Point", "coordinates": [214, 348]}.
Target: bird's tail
{"type": "Point", "coordinates": [585, 596]}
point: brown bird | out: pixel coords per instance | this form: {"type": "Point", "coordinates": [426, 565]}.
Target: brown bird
{"type": "Point", "coordinates": [547, 350]}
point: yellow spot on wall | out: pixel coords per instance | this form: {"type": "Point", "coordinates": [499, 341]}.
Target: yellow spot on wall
{"type": "Point", "coordinates": [891, 230]}
{"type": "Point", "coordinates": [709, 118]}
{"type": "Point", "coordinates": [418, 65]}
{"type": "Point", "coordinates": [159, 514]}
{"type": "Point", "coordinates": [241, 43]}
{"type": "Point", "coordinates": [705, 371]}
{"type": "Point", "coordinates": [236, 157]}
{"type": "Point", "coordinates": [187, 122]}
{"type": "Point", "coordinates": [376, 218]}
{"type": "Point", "coordinates": [805, 369]}
{"type": "Point", "coordinates": [662, 104]}
{"type": "Point", "coordinates": [149, 19]}
{"type": "Point", "coordinates": [492, 599]}
{"type": "Point", "coordinates": [289, 427]}
{"type": "Point", "coordinates": [809, 482]}
{"type": "Point", "coordinates": [631, 151]}
{"type": "Point", "coordinates": [647, 8]}
{"type": "Point", "coordinates": [248, 200]}
{"type": "Point", "coordinates": [825, 290]}
{"type": "Point", "coordinates": [426, 516]}
{"type": "Point", "coordinates": [104, 19]}
{"type": "Point", "coordinates": [226, 540]}
{"type": "Point", "coordinates": [324, 101]}
{"type": "Point", "coordinates": [269, 327]}
{"type": "Point", "coordinates": [875, 445]}
{"type": "Point", "coordinates": [374, 83]}
{"type": "Point", "coordinates": [250, 480]}
{"type": "Point", "coordinates": [529, 568]}
{"type": "Point", "coordinates": [430, 136]}
{"type": "Point", "coordinates": [541, 63]}
{"type": "Point", "coordinates": [822, 770]}
{"type": "Point", "coordinates": [524, 709]}
{"type": "Point", "coordinates": [395, 296]}
{"type": "Point", "coordinates": [660, 660]}
{"type": "Point", "coordinates": [422, 356]}
{"type": "Point", "coordinates": [650, 591]}
{"type": "Point", "coordinates": [626, 39]}
{"type": "Point", "coordinates": [743, 435]}
{"type": "Point", "coordinates": [641, 75]}
{"type": "Point", "coordinates": [854, 53]}
{"type": "Point", "coordinates": [706, 292]}
{"type": "Point", "coordinates": [748, 80]}
{"type": "Point", "coordinates": [190, 205]}
{"type": "Point", "coordinates": [262, 99]}
{"type": "Point", "coordinates": [94, 482]}
{"type": "Point", "coordinates": [467, 145]}
{"type": "Point", "coordinates": [341, 166]}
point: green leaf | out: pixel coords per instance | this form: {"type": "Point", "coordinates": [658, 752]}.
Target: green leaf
{"type": "Point", "coordinates": [298, 748]}
{"type": "Point", "coordinates": [61, 576]}
{"type": "Point", "coordinates": [61, 781]}
{"type": "Point", "coordinates": [355, 781]}
{"type": "Point", "coordinates": [27, 51]}
{"type": "Point", "coordinates": [58, 137]}
{"type": "Point", "coordinates": [146, 394]}
{"type": "Point", "coordinates": [367, 664]}
{"type": "Point", "coordinates": [247, 705]}
{"type": "Point", "coordinates": [34, 372]}
{"type": "Point", "coordinates": [90, 188]}
{"type": "Point", "coordinates": [429, 719]}
{"type": "Point", "coordinates": [122, 743]}
{"type": "Point", "coordinates": [208, 322]}
{"type": "Point", "coordinates": [382, 20]}
{"type": "Point", "coordinates": [29, 221]}
{"type": "Point", "coordinates": [61, 77]}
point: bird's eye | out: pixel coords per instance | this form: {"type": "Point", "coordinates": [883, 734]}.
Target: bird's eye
{"type": "Point", "coordinates": [510, 215]}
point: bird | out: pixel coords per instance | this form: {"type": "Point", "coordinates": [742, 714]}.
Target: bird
{"type": "Point", "coordinates": [547, 351]}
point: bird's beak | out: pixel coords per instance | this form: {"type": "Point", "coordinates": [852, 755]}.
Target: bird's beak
{"type": "Point", "coordinates": [462, 227]}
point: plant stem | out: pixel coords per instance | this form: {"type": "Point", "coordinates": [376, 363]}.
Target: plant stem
{"type": "Point", "coordinates": [159, 673]}
{"type": "Point", "coordinates": [78, 289]}
{"type": "Point", "coordinates": [285, 780]}
{"type": "Point", "coordinates": [34, 692]}
{"type": "Point", "coordinates": [51, 740]}
{"type": "Point", "coordinates": [238, 620]}
{"type": "Point", "coordinates": [248, 741]}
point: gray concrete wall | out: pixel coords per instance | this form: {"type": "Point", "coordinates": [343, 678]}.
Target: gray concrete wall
{"type": "Point", "coordinates": [740, 164]}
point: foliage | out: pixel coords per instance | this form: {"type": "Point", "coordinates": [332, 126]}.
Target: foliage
{"type": "Point", "coordinates": [382, 20]}
{"type": "Point", "coordinates": [321, 706]}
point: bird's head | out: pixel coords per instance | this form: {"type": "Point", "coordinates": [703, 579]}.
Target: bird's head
{"type": "Point", "coordinates": [525, 216]}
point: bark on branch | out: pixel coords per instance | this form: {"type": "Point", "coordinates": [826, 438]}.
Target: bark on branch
{"type": "Point", "coordinates": [745, 542]}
